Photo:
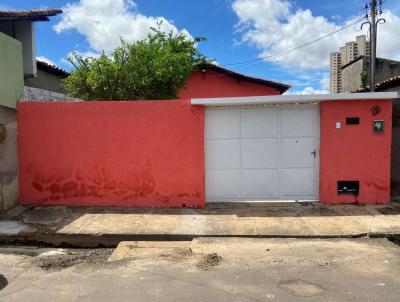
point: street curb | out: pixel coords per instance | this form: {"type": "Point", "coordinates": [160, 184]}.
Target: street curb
{"type": "Point", "coordinates": [112, 240]}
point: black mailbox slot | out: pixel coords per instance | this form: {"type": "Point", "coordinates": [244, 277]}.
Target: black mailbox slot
{"type": "Point", "coordinates": [348, 187]}
{"type": "Point", "coordinates": [352, 120]}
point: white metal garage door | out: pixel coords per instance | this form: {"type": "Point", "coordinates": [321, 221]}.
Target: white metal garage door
{"type": "Point", "coordinates": [261, 153]}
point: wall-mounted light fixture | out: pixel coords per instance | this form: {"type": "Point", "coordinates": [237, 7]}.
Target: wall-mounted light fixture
{"type": "Point", "coordinates": [375, 110]}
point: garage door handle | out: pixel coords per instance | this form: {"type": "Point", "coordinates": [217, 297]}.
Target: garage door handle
{"type": "Point", "coordinates": [314, 153]}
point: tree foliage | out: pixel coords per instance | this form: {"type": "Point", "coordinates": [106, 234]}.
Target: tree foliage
{"type": "Point", "coordinates": [153, 68]}
{"type": "Point", "coordinates": [364, 79]}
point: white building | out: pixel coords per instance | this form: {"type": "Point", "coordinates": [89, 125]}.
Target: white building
{"type": "Point", "coordinates": [347, 53]}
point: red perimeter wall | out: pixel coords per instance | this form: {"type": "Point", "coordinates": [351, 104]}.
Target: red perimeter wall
{"type": "Point", "coordinates": [212, 84]}
{"type": "Point", "coordinates": [145, 154]}
{"type": "Point", "coordinates": [355, 152]}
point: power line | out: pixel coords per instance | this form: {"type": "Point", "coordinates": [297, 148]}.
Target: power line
{"type": "Point", "coordinates": [290, 49]}
{"type": "Point", "coordinates": [301, 44]}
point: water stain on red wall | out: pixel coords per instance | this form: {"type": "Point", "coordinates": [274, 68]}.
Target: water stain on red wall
{"type": "Point", "coordinates": [144, 154]}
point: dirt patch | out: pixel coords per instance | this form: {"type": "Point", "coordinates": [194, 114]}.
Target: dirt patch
{"type": "Point", "coordinates": [60, 262]}
{"type": "Point", "coordinates": [278, 260]}
{"type": "Point", "coordinates": [177, 253]}
{"type": "Point", "coordinates": [301, 288]}
{"type": "Point", "coordinates": [209, 261]}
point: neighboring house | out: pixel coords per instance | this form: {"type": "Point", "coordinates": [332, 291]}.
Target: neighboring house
{"type": "Point", "coordinates": [47, 85]}
{"type": "Point", "coordinates": [11, 85]}
{"type": "Point", "coordinates": [42, 81]}
{"type": "Point", "coordinates": [20, 24]}
{"type": "Point", "coordinates": [387, 85]}
{"type": "Point", "coordinates": [17, 64]}
{"type": "Point", "coordinates": [351, 72]}
{"type": "Point", "coordinates": [347, 53]}
{"type": "Point", "coordinates": [48, 77]}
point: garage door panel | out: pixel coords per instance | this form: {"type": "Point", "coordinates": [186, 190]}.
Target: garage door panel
{"type": "Point", "coordinates": [298, 182]}
{"type": "Point", "coordinates": [297, 153]}
{"type": "Point", "coordinates": [257, 123]}
{"type": "Point", "coordinates": [222, 184]}
{"type": "Point", "coordinates": [222, 124]}
{"type": "Point", "coordinates": [260, 183]}
{"type": "Point", "coordinates": [259, 153]}
{"type": "Point", "coordinates": [297, 123]}
{"type": "Point", "coordinates": [222, 154]}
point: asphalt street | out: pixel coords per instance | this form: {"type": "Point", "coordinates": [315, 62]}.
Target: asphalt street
{"type": "Point", "coordinates": [224, 269]}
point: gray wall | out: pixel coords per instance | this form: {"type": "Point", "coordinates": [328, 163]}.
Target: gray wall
{"type": "Point", "coordinates": [45, 80]}
{"type": "Point", "coordinates": [393, 89]}
{"type": "Point", "coordinates": [351, 79]}
{"type": "Point", "coordinates": [23, 31]}
{"type": "Point", "coordinates": [351, 76]}
{"type": "Point", "coordinates": [37, 94]}
{"type": "Point", "coordinates": [386, 69]}
{"type": "Point", "coordinates": [8, 158]}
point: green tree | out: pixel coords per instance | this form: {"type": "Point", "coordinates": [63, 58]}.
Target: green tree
{"type": "Point", "coordinates": [364, 79]}
{"type": "Point", "coordinates": [153, 68]}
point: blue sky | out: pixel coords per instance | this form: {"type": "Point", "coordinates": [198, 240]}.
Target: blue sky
{"type": "Point", "coordinates": [237, 30]}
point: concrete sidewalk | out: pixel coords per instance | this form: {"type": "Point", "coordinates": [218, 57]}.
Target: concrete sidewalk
{"type": "Point", "coordinates": [108, 226]}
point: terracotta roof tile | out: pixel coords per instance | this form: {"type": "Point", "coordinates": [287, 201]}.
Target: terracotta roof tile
{"type": "Point", "coordinates": [51, 69]}
{"type": "Point", "coordinates": [385, 84]}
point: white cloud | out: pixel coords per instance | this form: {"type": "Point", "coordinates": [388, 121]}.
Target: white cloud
{"type": "Point", "coordinates": [46, 60]}
{"type": "Point", "coordinates": [88, 53]}
{"type": "Point", "coordinates": [388, 43]}
{"type": "Point", "coordinates": [308, 90]}
{"type": "Point", "coordinates": [103, 22]}
{"type": "Point", "coordinates": [275, 25]}
{"type": "Point", "coordinates": [336, 17]}
{"type": "Point", "coordinates": [324, 82]}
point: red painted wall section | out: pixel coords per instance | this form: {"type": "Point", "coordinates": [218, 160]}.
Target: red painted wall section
{"type": "Point", "coordinates": [144, 154]}
{"type": "Point", "coordinates": [212, 84]}
{"type": "Point", "coordinates": [355, 152]}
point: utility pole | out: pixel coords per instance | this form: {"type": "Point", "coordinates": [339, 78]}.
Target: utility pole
{"type": "Point", "coordinates": [373, 19]}
{"type": "Point", "coordinates": [373, 30]}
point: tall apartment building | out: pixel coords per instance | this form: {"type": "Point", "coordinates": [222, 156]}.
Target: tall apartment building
{"type": "Point", "coordinates": [347, 53]}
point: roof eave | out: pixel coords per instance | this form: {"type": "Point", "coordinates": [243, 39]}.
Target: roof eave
{"type": "Point", "coordinates": [29, 15]}
{"type": "Point", "coordinates": [27, 18]}
{"type": "Point", "coordinates": [54, 70]}
{"type": "Point", "coordinates": [293, 99]}
{"type": "Point", "coordinates": [281, 87]}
